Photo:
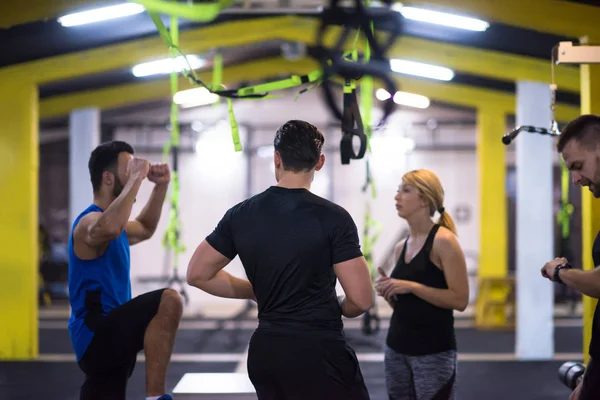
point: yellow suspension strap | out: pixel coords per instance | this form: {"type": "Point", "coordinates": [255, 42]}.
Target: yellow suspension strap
{"type": "Point", "coordinates": [260, 91]}
{"type": "Point", "coordinates": [565, 213]}
{"type": "Point", "coordinates": [372, 228]}
{"type": "Point", "coordinates": [200, 12]}
{"type": "Point", "coordinates": [172, 237]}
{"type": "Point", "coordinates": [330, 59]}
{"type": "Point", "coordinates": [371, 231]}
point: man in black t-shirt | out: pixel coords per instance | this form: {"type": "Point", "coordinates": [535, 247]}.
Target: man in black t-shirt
{"type": "Point", "coordinates": [293, 245]}
{"type": "Point", "coordinates": [579, 145]}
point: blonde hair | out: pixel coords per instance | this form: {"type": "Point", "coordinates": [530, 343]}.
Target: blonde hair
{"type": "Point", "coordinates": [429, 185]}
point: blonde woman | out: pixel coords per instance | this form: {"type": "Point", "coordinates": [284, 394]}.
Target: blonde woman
{"type": "Point", "coordinates": [428, 282]}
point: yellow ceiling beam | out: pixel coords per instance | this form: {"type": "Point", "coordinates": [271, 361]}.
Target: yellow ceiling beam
{"type": "Point", "coordinates": [486, 63]}
{"type": "Point", "coordinates": [16, 12]}
{"type": "Point", "coordinates": [450, 93]}
{"type": "Point", "coordinates": [559, 17]}
{"type": "Point", "coordinates": [469, 96]}
{"type": "Point", "coordinates": [125, 55]}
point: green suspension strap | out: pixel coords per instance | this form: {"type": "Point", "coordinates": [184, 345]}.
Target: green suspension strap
{"type": "Point", "coordinates": [372, 228]}
{"type": "Point", "coordinates": [332, 63]}
{"type": "Point", "coordinates": [565, 213]}
{"type": "Point", "coordinates": [260, 91]}
{"type": "Point", "coordinates": [217, 82]}
{"type": "Point", "coordinates": [172, 237]}
{"type": "Point", "coordinates": [200, 12]}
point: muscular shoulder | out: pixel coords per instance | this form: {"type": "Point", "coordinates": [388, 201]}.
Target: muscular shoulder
{"type": "Point", "coordinates": [335, 217]}
{"type": "Point", "coordinates": [83, 222]}
{"type": "Point", "coordinates": [239, 212]}
{"type": "Point", "coordinates": [332, 210]}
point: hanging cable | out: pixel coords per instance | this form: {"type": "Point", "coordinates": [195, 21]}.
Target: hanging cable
{"type": "Point", "coordinates": [172, 237]}
{"type": "Point", "coordinates": [334, 61]}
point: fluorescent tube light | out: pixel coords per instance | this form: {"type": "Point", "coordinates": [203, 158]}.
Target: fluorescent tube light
{"type": "Point", "coordinates": [100, 14]}
{"type": "Point", "coordinates": [441, 18]}
{"type": "Point", "coordinates": [382, 94]}
{"type": "Point", "coordinates": [420, 69]}
{"type": "Point", "coordinates": [404, 98]}
{"type": "Point", "coordinates": [411, 100]}
{"type": "Point", "coordinates": [166, 66]}
{"type": "Point", "coordinates": [195, 97]}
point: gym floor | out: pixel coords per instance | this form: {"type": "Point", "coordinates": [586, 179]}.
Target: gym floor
{"type": "Point", "coordinates": [486, 370]}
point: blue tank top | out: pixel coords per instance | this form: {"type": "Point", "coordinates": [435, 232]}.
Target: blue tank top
{"type": "Point", "coordinates": [96, 286]}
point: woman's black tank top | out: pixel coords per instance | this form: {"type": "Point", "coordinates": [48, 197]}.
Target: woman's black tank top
{"type": "Point", "coordinates": [418, 327]}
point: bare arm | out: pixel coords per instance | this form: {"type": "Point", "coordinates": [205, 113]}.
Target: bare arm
{"type": "Point", "coordinates": [96, 229]}
{"type": "Point", "coordinates": [586, 282]}
{"type": "Point", "coordinates": [205, 271]}
{"type": "Point", "coordinates": [455, 270]}
{"type": "Point", "coordinates": [143, 227]}
{"type": "Point", "coordinates": [355, 279]}
{"type": "Point", "coordinates": [397, 252]}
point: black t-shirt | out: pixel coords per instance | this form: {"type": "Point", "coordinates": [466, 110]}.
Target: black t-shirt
{"type": "Point", "coordinates": [594, 350]}
{"type": "Point", "coordinates": [288, 241]}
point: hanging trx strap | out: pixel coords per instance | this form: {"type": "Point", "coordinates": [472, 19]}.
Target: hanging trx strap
{"type": "Point", "coordinates": [351, 126]}
{"type": "Point", "coordinates": [171, 239]}
{"type": "Point", "coordinates": [201, 12]}
{"type": "Point", "coordinates": [333, 61]}
{"type": "Point", "coordinates": [252, 92]}
{"type": "Point", "coordinates": [372, 228]}
{"type": "Point", "coordinates": [566, 210]}
{"type": "Point", "coordinates": [378, 65]}
{"type": "Point", "coordinates": [371, 232]}
{"type": "Point", "coordinates": [217, 82]}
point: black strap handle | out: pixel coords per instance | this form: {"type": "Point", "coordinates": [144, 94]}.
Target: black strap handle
{"type": "Point", "coordinates": [332, 61]}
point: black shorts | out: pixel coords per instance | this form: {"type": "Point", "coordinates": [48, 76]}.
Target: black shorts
{"type": "Point", "coordinates": [110, 358]}
{"type": "Point", "coordinates": [590, 387]}
{"type": "Point", "coordinates": [287, 367]}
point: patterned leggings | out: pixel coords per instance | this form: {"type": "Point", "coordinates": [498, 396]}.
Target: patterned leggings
{"type": "Point", "coordinates": [430, 377]}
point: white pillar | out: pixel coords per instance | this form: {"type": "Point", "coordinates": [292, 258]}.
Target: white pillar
{"type": "Point", "coordinates": [84, 136]}
{"type": "Point", "coordinates": [534, 224]}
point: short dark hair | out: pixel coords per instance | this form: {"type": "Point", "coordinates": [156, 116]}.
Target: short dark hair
{"type": "Point", "coordinates": [585, 129]}
{"type": "Point", "coordinates": [104, 158]}
{"type": "Point", "coordinates": [299, 144]}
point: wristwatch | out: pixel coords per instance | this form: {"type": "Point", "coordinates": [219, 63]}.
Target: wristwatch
{"type": "Point", "coordinates": [556, 277]}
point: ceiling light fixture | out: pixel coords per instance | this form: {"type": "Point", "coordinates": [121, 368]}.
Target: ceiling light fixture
{"type": "Point", "coordinates": [441, 18]}
{"type": "Point", "coordinates": [166, 66]}
{"type": "Point", "coordinates": [421, 69]}
{"type": "Point", "coordinates": [404, 98]}
{"type": "Point", "coordinates": [100, 14]}
{"type": "Point", "coordinates": [195, 97]}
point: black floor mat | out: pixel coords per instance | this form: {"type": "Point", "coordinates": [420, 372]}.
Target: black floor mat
{"type": "Point", "coordinates": [470, 340]}
{"type": "Point", "coordinates": [476, 380]}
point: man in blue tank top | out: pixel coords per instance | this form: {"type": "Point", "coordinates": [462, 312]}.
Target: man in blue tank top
{"type": "Point", "coordinates": [107, 327]}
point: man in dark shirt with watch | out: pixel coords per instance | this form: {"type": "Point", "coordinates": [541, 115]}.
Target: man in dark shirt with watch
{"type": "Point", "coordinates": [579, 145]}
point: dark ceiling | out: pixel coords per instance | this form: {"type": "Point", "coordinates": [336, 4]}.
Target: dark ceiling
{"type": "Point", "coordinates": [43, 39]}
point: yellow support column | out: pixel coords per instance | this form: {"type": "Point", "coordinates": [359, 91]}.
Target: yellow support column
{"type": "Point", "coordinates": [493, 289]}
{"type": "Point", "coordinates": [19, 147]}
{"type": "Point", "coordinates": [590, 207]}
